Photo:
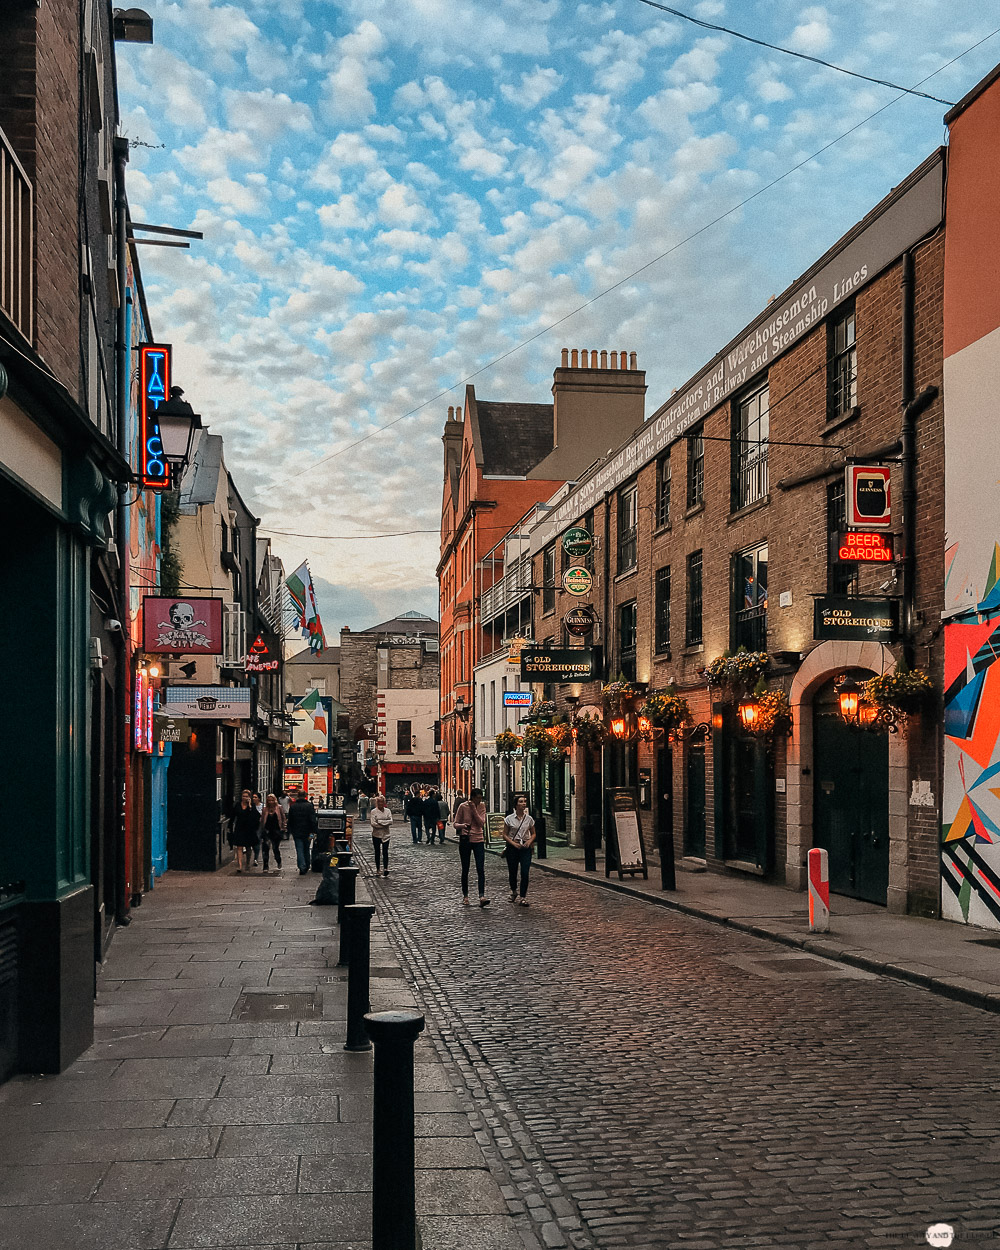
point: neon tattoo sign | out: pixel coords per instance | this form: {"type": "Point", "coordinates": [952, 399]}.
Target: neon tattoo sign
{"type": "Point", "coordinates": [154, 389]}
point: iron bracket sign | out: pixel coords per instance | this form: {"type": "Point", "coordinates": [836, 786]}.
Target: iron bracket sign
{"type": "Point", "coordinates": [856, 620]}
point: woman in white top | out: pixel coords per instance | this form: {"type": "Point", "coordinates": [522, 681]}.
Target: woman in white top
{"type": "Point", "coordinates": [519, 834]}
{"type": "Point", "coordinates": [381, 822]}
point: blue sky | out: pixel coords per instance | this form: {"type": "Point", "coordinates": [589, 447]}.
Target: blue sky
{"type": "Point", "coordinates": [394, 194]}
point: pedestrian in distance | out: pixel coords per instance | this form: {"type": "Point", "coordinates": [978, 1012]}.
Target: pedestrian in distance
{"type": "Point", "coordinates": [284, 802]}
{"type": "Point", "coordinates": [470, 824]}
{"type": "Point", "coordinates": [431, 813]}
{"type": "Point", "coordinates": [246, 822]}
{"type": "Point", "coordinates": [381, 819]}
{"type": "Point", "coordinates": [363, 806]}
{"type": "Point", "coordinates": [413, 811]}
{"type": "Point", "coordinates": [444, 814]}
{"type": "Point", "coordinates": [302, 823]}
{"type": "Point", "coordinates": [272, 829]}
{"type": "Point", "coordinates": [258, 804]}
{"type": "Point", "coordinates": [519, 836]}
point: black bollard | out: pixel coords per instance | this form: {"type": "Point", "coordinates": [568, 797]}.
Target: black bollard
{"type": "Point", "coordinates": [541, 846]}
{"type": "Point", "coordinates": [665, 845]}
{"type": "Point", "coordinates": [343, 852]}
{"type": "Point", "coordinates": [589, 845]}
{"type": "Point", "coordinates": [346, 881]}
{"type": "Point", "coordinates": [394, 1217]}
{"type": "Point", "coordinates": [357, 922]}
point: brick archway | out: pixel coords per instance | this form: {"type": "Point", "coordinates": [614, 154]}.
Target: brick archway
{"type": "Point", "coordinates": [820, 665]}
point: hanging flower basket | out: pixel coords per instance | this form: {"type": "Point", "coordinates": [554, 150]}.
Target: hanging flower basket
{"type": "Point", "coordinates": [666, 709]}
{"type": "Point", "coordinates": [536, 738]}
{"type": "Point", "coordinates": [589, 731]}
{"type": "Point", "coordinates": [617, 693]}
{"type": "Point", "coordinates": [774, 715]}
{"type": "Point", "coordinates": [903, 690]}
{"type": "Point", "coordinates": [508, 742]}
{"type": "Point", "coordinates": [541, 712]}
{"type": "Point", "coordinates": [732, 676]}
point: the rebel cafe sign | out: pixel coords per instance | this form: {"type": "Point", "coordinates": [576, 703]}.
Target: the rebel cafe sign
{"type": "Point", "coordinates": [154, 389]}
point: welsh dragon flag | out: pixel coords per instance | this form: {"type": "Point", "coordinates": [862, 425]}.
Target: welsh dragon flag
{"type": "Point", "coordinates": [300, 587]}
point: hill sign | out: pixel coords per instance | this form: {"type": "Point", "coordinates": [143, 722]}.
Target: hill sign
{"type": "Point", "coordinates": [577, 541]}
{"type": "Point", "coordinates": [577, 581]}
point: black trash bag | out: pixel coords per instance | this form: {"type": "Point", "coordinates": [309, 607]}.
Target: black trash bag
{"type": "Point", "coordinates": [328, 891]}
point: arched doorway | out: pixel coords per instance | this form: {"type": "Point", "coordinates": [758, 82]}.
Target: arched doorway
{"type": "Point", "coordinates": [850, 800]}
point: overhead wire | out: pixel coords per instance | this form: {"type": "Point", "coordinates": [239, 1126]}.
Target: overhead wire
{"type": "Point", "coordinates": [803, 56]}
{"type": "Point", "coordinates": [735, 208]}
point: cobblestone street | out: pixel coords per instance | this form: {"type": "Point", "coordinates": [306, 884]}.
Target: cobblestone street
{"type": "Point", "coordinates": [647, 1079]}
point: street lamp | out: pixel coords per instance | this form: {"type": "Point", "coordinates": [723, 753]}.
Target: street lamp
{"type": "Point", "coordinates": [177, 422]}
{"type": "Point", "coordinates": [749, 709]}
{"type": "Point", "coordinates": [849, 696]}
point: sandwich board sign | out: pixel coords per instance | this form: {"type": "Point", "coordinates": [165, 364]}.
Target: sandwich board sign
{"type": "Point", "coordinates": [623, 846]}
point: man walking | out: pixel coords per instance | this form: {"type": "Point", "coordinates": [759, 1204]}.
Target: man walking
{"type": "Point", "coordinates": [381, 819]}
{"type": "Point", "coordinates": [413, 811]}
{"type": "Point", "coordinates": [470, 824]}
{"type": "Point", "coordinates": [431, 814]}
{"type": "Point", "coordinates": [302, 823]}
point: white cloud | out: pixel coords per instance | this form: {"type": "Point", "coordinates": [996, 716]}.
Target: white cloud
{"type": "Point", "coordinates": [399, 205]}
{"type": "Point", "coordinates": [343, 215]}
{"type": "Point", "coordinates": [267, 113]}
{"type": "Point", "coordinates": [347, 96]}
{"type": "Point", "coordinates": [813, 33]}
{"type": "Point", "coordinates": [238, 197]}
{"type": "Point", "coordinates": [535, 86]}
{"type": "Point", "coordinates": [216, 148]}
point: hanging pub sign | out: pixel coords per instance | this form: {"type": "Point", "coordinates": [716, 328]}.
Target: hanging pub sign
{"type": "Point", "coordinates": [264, 655]}
{"type": "Point", "coordinates": [580, 621]}
{"type": "Point", "coordinates": [514, 648]}
{"type": "Point", "coordinates": [856, 620]}
{"type": "Point", "coordinates": [578, 542]}
{"type": "Point", "coordinates": [867, 495]}
{"type": "Point", "coordinates": [577, 581]}
{"type": "Point", "coordinates": [557, 664]}
{"type": "Point", "coordinates": [154, 389]}
{"type": "Point", "coordinates": [208, 702]}
{"type": "Point", "coordinates": [189, 626]}
{"type": "Point", "coordinates": [865, 546]}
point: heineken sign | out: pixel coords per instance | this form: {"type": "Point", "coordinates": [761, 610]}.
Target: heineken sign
{"type": "Point", "coordinates": [577, 581]}
{"type": "Point", "coordinates": [578, 542]}
{"type": "Point", "coordinates": [547, 664]}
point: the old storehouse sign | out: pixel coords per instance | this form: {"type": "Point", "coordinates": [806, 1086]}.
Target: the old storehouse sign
{"type": "Point", "coordinates": [557, 664]}
{"type": "Point", "coordinates": [154, 388]}
{"type": "Point", "coordinates": [188, 626]}
{"type": "Point", "coordinates": [867, 494]}
{"type": "Point", "coordinates": [857, 620]}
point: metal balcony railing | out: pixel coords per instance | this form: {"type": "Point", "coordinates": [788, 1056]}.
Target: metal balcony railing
{"type": "Point", "coordinates": [510, 589]}
{"type": "Point", "coordinates": [16, 226]}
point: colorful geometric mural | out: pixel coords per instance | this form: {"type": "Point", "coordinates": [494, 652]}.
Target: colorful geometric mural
{"type": "Point", "coordinates": [970, 844]}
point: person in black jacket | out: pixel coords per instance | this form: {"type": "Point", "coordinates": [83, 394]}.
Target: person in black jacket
{"type": "Point", "coordinates": [246, 821]}
{"type": "Point", "coordinates": [413, 811]}
{"type": "Point", "coordinates": [301, 825]}
{"type": "Point", "coordinates": [432, 814]}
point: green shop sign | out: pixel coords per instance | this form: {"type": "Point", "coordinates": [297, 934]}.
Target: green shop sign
{"type": "Point", "coordinates": [578, 541]}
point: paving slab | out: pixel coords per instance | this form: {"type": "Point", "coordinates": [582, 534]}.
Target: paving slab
{"type": "Point", "coordinates": [261, 1220]}
{"type": "Point", "coordinates": [136, 1225]}
{"type": "Point", "coordinates": [198, 1178]}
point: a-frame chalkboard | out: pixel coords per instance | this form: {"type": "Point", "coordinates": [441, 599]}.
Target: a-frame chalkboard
{"type": "Point", "coordinates": [624, 849]}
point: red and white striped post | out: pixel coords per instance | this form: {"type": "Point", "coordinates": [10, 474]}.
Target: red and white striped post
{"type": "Point", "coordinates": [819, 891]}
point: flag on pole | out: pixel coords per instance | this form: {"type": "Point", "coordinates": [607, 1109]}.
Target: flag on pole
{"type": "Point", "coordinates": [300, 587]}
{"type": "Point", "coordinates": [314, 706]}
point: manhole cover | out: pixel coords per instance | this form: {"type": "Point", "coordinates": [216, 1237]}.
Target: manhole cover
{"type": "Point", "coordinates": [797, 966]}
{"type": "Point", "coordinates": [994, 942]}
{"type": "Point", "coordinates": [800, 966]}
{"type": "Point", "coordinates": [288, 1006]}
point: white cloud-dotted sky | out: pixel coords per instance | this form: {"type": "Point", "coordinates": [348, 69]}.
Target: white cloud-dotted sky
{"type": "Point", "coordinates": [395, 193]}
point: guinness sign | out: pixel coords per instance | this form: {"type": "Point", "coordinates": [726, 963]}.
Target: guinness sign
{"type": "Point", "coordinates": [580, 621]}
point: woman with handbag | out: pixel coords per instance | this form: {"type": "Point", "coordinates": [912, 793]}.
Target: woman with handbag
{"type": "Point", "coordinates": [272, 830]}
{"type": "Point", "coordinates": [519, 835]}
{"type": "Point", "coordinates": [470, 825]}
{"type": "Point", "coordinates": [246, 822]}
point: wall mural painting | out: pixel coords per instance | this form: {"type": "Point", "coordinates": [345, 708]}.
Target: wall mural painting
{"type": "Point", "coordinates": [970, 847]}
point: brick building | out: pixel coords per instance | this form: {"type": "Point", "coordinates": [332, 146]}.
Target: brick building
{"type": "Point", "coordinates": [500, 460]}
{"type": "Point", "coordinates": [717, 527]}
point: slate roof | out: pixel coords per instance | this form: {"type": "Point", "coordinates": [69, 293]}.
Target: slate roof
{"type": "Point", "coordinates": [329, 655]}
{"type": "Point", "coordinates": [408, 623]}
{"type": "Point", "coordinates": [514, 437]}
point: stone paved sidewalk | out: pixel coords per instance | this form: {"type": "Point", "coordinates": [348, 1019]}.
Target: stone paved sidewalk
{"type": "Point", "coordinates": [217, 1107]}
{"type": "Point", "coordinates": [956, 961]}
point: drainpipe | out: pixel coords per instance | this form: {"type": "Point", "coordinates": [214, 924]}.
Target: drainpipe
{"type": "Point", "coordinates": [122, 388]}
{"type": "Point", "coordinates": [912, 408]}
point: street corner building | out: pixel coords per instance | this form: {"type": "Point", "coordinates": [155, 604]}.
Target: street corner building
{"type": "Point", "coordinates": [784, 580]}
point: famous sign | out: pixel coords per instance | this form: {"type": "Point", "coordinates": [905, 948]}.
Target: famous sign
{"type": "Point", "coordinates": [867, 495]}
{"type": "Point", "coordinates": [188, 626]}
{"type": "Point", "coordinates": [154, 389]}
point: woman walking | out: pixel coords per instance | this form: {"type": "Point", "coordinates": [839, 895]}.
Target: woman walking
{"type": "Point", "coordinates": [519, 835]}
{"type": "Point", "coordinates": [381, 819]}
{"type": "Point", "coordinates": [272, 829]}
{"type": "Point", "coordinates": [470, 824]}
{"type": "Point", "coordinates": [246, 822]}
